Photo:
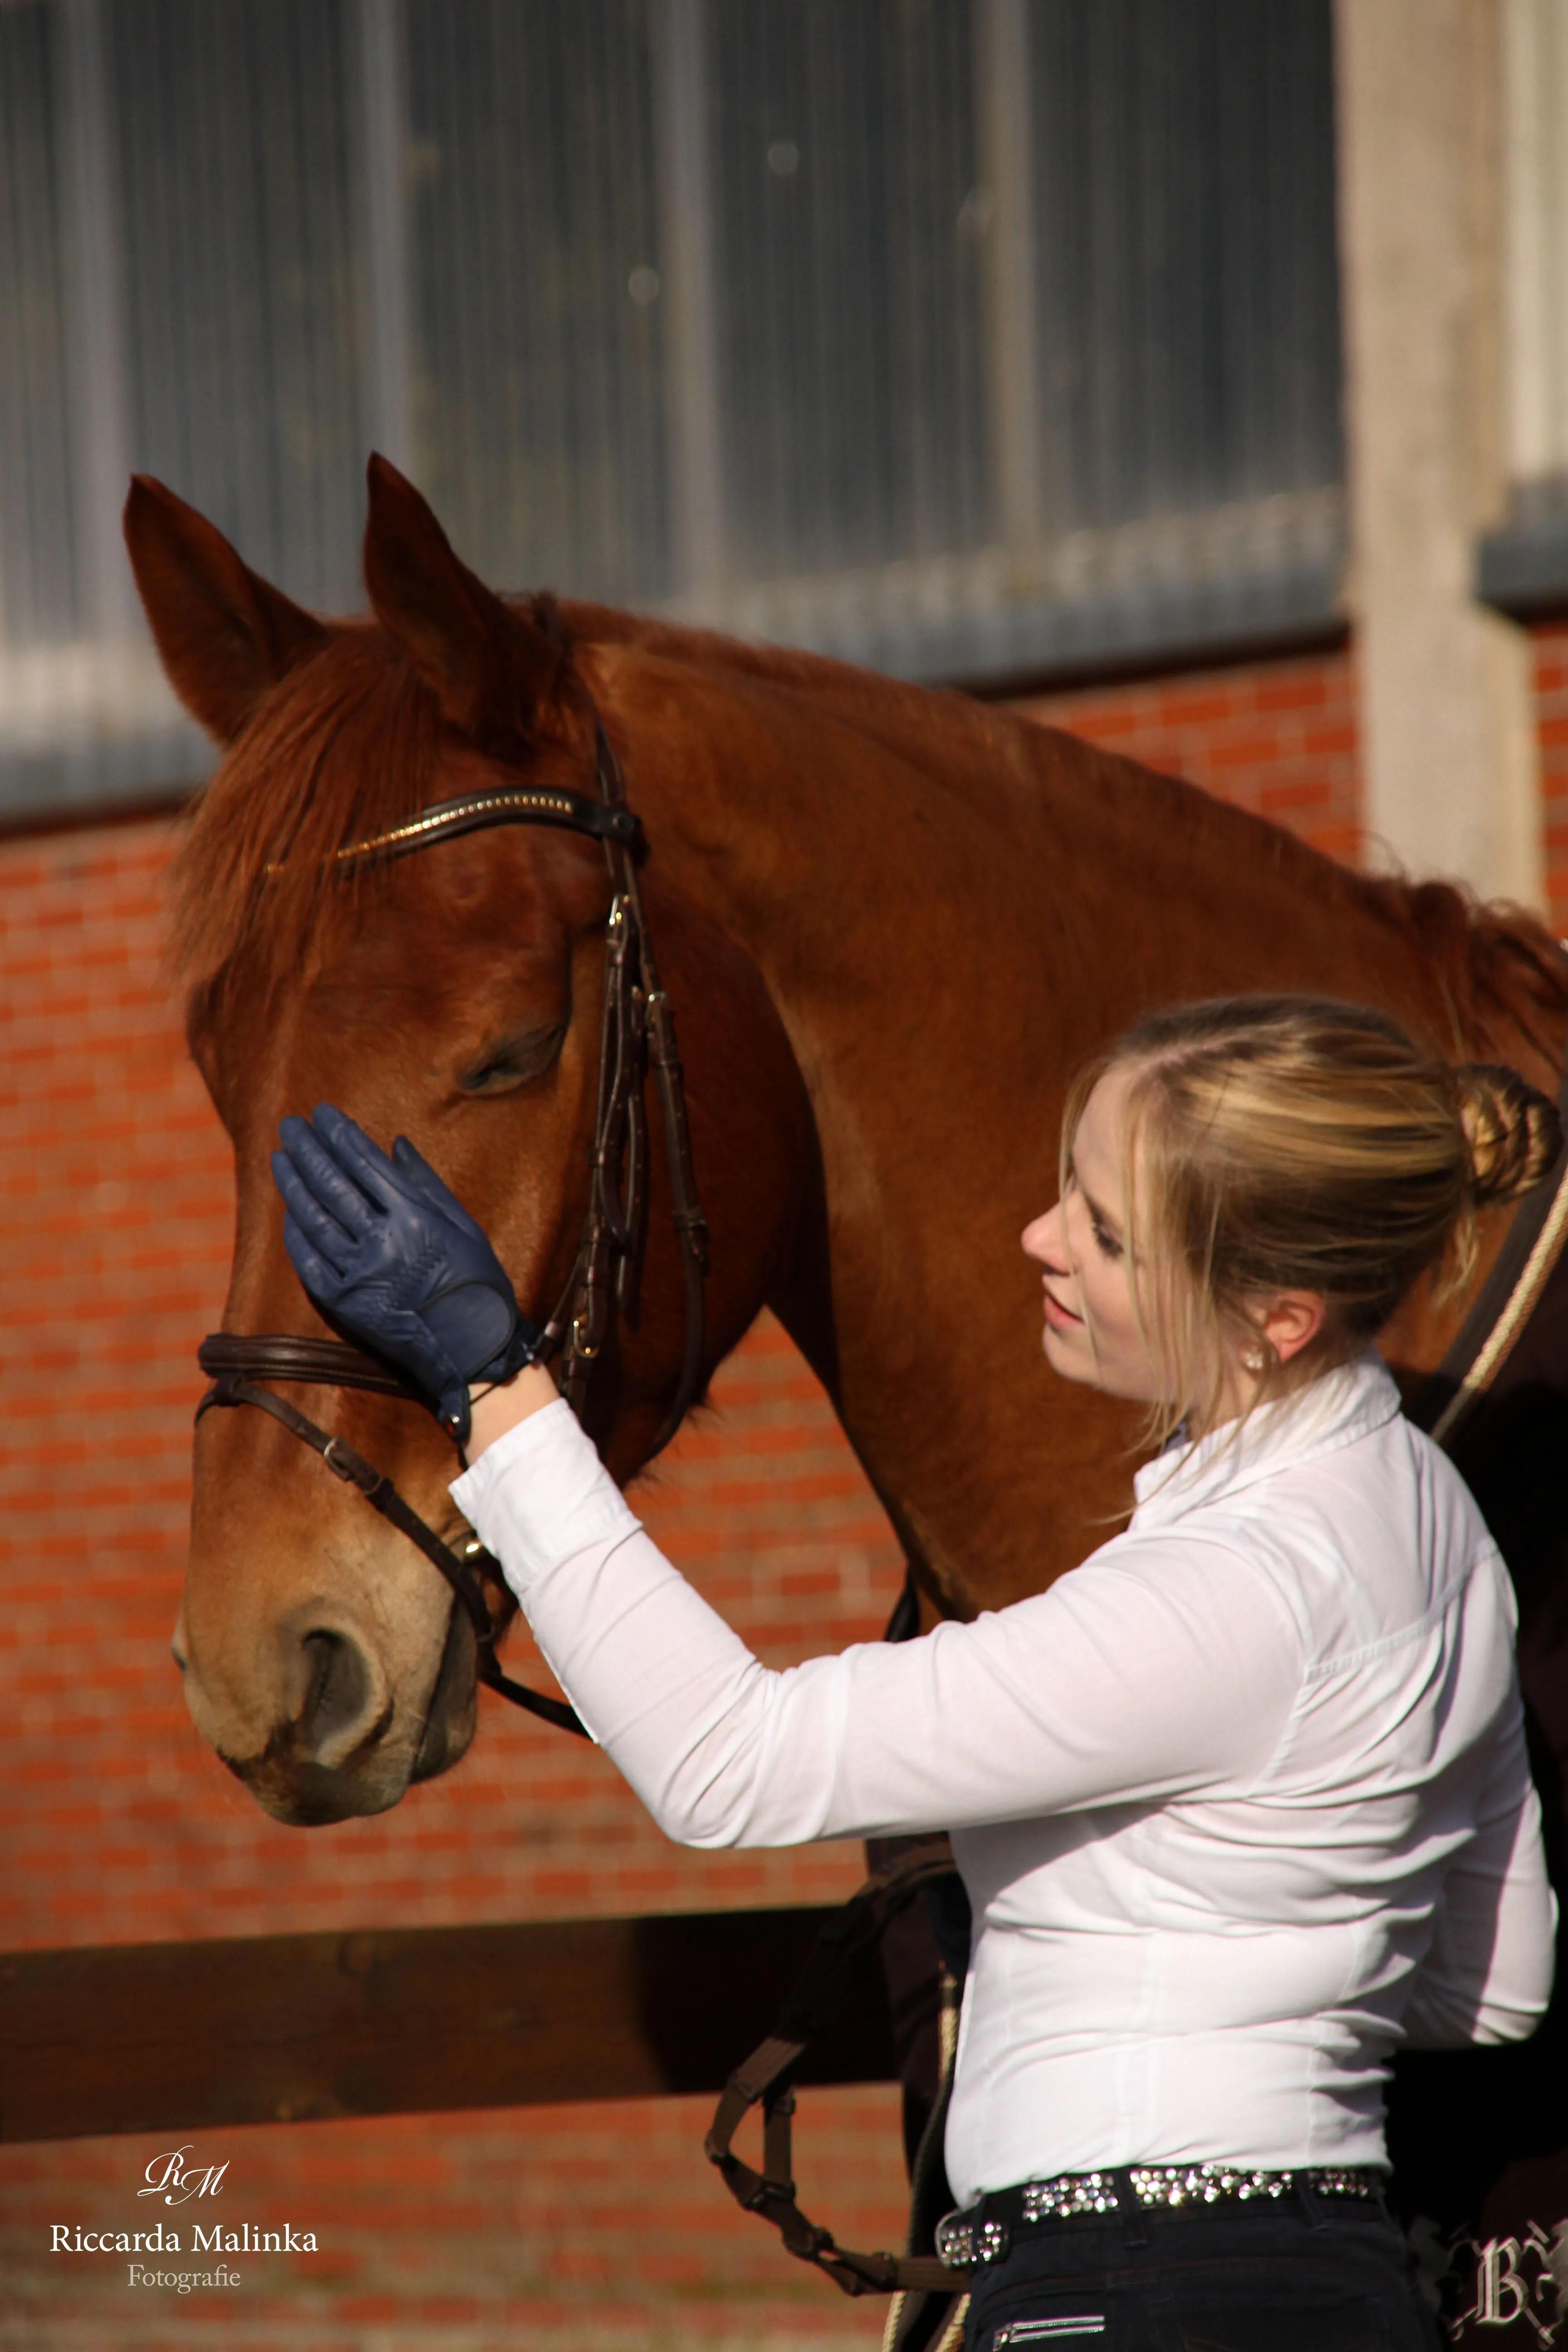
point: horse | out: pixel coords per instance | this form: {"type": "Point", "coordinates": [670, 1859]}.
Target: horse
{"type": "Point", "coordinates": [893, 925]}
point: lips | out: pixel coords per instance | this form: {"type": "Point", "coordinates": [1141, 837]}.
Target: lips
{"type": "Point", "coordinates": [1060, 1317]}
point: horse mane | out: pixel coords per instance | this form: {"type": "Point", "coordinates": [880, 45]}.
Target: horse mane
{"type": "Point", "coordinates": [1500, 974]}
{"type": "Point", "coordinates": [350, 743]}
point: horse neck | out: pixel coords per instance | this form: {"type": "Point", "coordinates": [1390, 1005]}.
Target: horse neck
{"type": "Point", "coordinates": [953, 910]}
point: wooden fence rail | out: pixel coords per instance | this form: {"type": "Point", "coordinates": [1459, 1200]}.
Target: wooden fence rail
{"type": "Point", "coordinates": [273, 2029]}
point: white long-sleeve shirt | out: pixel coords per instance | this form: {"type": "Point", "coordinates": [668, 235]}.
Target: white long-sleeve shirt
{"type": "Point", "coordinates": [1241, 1803]}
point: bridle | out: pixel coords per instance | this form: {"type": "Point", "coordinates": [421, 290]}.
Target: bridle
{"type": "Point", "coordinates": [636, 1033]}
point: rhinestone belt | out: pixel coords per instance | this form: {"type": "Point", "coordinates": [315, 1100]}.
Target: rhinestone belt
{"type": "Point", "coordinates": [982, 2233]}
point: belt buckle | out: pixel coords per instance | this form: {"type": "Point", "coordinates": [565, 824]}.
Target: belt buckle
{"type": "Point", "coordinates": [963, 2242]}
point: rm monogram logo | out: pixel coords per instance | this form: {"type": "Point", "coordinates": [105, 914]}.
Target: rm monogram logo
{"type": "Point", "coordinates": [170, 2177]}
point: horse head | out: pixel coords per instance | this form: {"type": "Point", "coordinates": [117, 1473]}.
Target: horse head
{"type": "Point", "coordinates": [455, 997]}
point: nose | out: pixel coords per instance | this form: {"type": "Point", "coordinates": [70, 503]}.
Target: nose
{"type": "Point", "coordinates": [310, 1694]}
{"type": "Point", "coordinates": [1041, 1239]}
{"type": "Point", "coordinates": [344, 1707]}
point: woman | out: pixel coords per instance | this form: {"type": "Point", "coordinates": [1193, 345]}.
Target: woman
{"type": "Point", "coordinates": [1241, 1803]}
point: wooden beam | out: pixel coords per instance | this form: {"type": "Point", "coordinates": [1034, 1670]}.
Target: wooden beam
{"type": "Point", "coordinates": [280, 2029]}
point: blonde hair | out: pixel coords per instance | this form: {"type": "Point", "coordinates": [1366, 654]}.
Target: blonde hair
{"type": "Point", "coordinates": [1278, 1143]}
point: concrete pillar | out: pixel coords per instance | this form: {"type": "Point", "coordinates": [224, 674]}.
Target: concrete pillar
{"type": "Point", "coordinates": [1450, 764]}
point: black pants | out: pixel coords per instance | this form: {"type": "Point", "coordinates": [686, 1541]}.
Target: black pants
{"type": "Point", "coordinates": [1240, 2278]}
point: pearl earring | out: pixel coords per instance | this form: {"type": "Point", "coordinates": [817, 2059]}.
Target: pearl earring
{"type": "Point", "coordinates": [1252, 1359]}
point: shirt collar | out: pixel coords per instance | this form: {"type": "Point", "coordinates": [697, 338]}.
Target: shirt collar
{"type": "Point", "coordinates": [1344, 1404]}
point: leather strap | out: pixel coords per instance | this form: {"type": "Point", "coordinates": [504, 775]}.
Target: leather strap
{"type": "Point", "coordinates": [510, 805]}
{"type": "Point", "coordinates": [232, 1387]}
{"type": "Point", "coordinates": [844, 1944]}
{"type": "Point", "coordinates": [686, 1209]}
{"type": "Point", "coordinates": [287, 1356]}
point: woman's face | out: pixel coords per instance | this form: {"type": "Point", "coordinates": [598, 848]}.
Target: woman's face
{"type": "Point", "coordinates": [1091, 1332]}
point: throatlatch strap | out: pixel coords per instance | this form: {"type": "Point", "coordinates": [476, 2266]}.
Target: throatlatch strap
{"type": "Point", "coordinates": [842, 1948]}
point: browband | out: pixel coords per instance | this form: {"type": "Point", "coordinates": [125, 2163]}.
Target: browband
{"type": "Point", "coordinates": [508, 805]}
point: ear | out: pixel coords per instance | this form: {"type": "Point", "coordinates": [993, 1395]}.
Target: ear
{"type": "Point", "coordinates": [223, 634]}
{"type": "Point", "coordinates": [1292, 1321]}
{"type": "Point", "coordinates": [494, 670]}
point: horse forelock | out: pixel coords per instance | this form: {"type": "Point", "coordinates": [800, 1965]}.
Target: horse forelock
{"type": "Point", "coordinates": [343, 747]}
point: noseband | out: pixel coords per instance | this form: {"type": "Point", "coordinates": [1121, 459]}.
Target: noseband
{"type": "Point", "coordinates": [637, 1032]}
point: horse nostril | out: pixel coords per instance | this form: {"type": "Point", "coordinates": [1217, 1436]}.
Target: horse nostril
{"type": "Point", "coordinates": [339, 1713]}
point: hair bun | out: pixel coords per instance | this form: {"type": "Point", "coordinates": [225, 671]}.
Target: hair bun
{"type": "Point", "coordinates": [1513, 1134]}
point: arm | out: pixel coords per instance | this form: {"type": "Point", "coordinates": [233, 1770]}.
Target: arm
{"type": "Point", "coordinates": [1119, 1684]}
{"type": "Point", "coordinates": [1173, 1671]}
{"type": "Point", "coordinates": [1487, 1972]}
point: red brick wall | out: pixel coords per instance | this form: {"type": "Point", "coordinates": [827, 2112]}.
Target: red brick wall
{"type": "Point", "coordinates": [598, 2227]}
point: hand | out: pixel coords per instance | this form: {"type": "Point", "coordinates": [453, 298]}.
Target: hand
{"type": "Point", "coordinates": [396, 1261]}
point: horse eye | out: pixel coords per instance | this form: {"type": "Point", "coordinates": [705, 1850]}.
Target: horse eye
{"type": "Point", "coordinates": [513, 1063]}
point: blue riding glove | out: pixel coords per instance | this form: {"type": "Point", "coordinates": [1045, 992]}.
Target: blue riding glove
{"type": "Point", "coordinates": [396, 1261]}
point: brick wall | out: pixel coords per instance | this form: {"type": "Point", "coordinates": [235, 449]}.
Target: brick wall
{"type": "Point", "coordinates": [597, 2227]}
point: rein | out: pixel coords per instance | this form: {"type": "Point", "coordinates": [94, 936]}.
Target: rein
{"type": "Point", "coordinates": [636, 1034]}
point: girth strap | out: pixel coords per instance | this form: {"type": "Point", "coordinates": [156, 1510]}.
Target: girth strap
{"type": "Point", "coordinates": [844, 1944]}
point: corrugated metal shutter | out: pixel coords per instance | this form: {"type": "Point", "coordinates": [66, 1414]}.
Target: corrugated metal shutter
{"type": "Point", "coordinates": [963, 337]}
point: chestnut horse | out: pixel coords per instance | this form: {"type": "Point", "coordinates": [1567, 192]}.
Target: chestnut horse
{"type": "Point", "coordinates": [892, 924]}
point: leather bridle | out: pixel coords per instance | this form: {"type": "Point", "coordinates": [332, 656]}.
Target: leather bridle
{"type": "Point", "coordinates": [637, 1032]}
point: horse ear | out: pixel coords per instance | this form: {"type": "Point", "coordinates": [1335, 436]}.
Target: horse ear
{"type": "Point", "coordinates": [225, 635]}
{"type": "Point", "coordinates": [492, 668]}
